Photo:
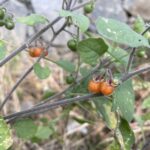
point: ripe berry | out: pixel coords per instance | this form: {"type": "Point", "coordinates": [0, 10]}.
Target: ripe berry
{"type": "Point", "coordinates": [106, 88]}
{"type": "Point", "coordinates": [94, 86]}
{"type": "Point", "coordinates": [72, 44]}
{"type": "Point", "coordinates": [88, 8]}
{"type": "Point", "coordinates": [37, 51]}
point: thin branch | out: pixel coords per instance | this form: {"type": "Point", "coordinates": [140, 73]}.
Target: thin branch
{"type": "Point", "coordinates": [15, 86]}
{"type": "Point", "coordinates": [35, 36]}
{"type": "Point", "coordinates": [131, 57]}
{"type": "Point", "coordinates": [135, 73]}
{"type": "Point", "coordinates": [25, 45]}
{"type": "Point", "coordinates": [30, 69]}
{"type": "Point", "coordinates": [70, 33]}
{"type": "Point", "coordinates": [63, 102]}
{"type": "Point", "coordinates": [80, 6]}
{"type": "Point", "coordinates": [69, 87]}
{"type": "Point", "coordinates": [64, 4]}
{"type": "Point", "coordinates": [44, 108]}
{"type": "Point", "coordinates": [69, 3]}
{"type": "Point", "coordinates": [74, 3]}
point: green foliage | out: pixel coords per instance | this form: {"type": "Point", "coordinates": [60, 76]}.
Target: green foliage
{"type": "Point", "coordinates": [32, 20]}
{"type": "Point", "coordinates": [146, 103]}
{"type": "Point", "coordinates": [78, 19]}
{"type": "Point", "coordinates": [2, 49]}
{"type": "Point", "coordinates": [43, 132]}
{"type": "Point", "coordinates": [5, 135]}
{"type": "Point", "coordinates": [41, 72]}
{"type": "Point", "coordinates": [120, 33]}
{"type": "Point", "coordinates": [84, 71]}
{"type": "Point", "coordinates": [119, 55]}
{"type": "Point", "coordinates": [91, 49]}
{"type": "Point", "coordinates": [113, 146]}
{"type": "Point", "coordinates": [104, 106]}
{"type": "Point", "coordinates": [124, 100]}
{"type": "Point", "coordinates": [127, 134]}
{"type": "Point", "coordinates": [82, 87]}
{"type": "Point", "coordinates": [25, 128]}
{"type": "Point", "coordinates": [66, 65]}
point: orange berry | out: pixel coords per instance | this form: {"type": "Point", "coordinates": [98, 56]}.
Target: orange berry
{"type": "Point", "coordinates": [94, 86]}
{"type": "Point", "coordinates": [37, 51]}
{"type": "Point", "coordinates": [106, 88]}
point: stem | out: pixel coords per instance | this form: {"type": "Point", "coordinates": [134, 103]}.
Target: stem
{"type": "Point", "coordinates": [131, 57]}
{"type": "Point", "coordinates": [80, 6]}
{"type": "Point", "coordinates": [15, 86]}
{"type": "Point", "coordinates": [68, 88]}
{"type": "Point", "coordinates": [135, 73]}
{"type": "Point", "coordinates": [44, 108]}
{"type": "Point", "coordinates": [25, 45]}
{"type": "Point", "coordinates": [30, 69]}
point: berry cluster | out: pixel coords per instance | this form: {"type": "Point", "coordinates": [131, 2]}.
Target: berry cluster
{"type": "Point", "coordinates": [6, 19]}
{"type": "Point", "coordinates": [101, 86]}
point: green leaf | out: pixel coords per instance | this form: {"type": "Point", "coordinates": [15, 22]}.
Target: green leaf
{"type": "Point", "coordinates": [113, 146]}
{"type": "Point", "coordinates": [66, 65]}
{"type": "Point", "coordinates": [104, 107]}
{"type": "Point", "coordinates": [2, 49]}
{"type": "Point", "coordinates": [25, 128]}
{"type": "Point", "coordinates": [124, 100]}
{"type": "Point", "coordinates": [120, 33]}
{"type": "Point", "coordinates": [41, 72]}
{"type": "Point", "coordinates": [84, 71]}
{"type": "Point", "coordinates": [91, 49]}
{"type": "Point", "coordinates": [127, 134]}
{"type": "Point", "coordinates": [146, 103]}
{"type": "Point", "coordinates": [82, 87]}
{"type": "Point", "coordinates": [119, 55]}
{"type": "Point", "coordinates": [5, 135]}
{"type": "Point", "coordinates": [43, 132]}
{"type": "Point", "coordinates": [32, 20]}
{"type": "Point", "coordinates": [78, 19]}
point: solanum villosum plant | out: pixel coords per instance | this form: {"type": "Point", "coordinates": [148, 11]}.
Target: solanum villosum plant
{"type": "Point", "coordinates": [102, 74]}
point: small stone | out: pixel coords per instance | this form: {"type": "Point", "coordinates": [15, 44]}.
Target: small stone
{"type": "Point", "coordinates": [109, 9]}
{"type": "Point", "coordinates": [138, 7]}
